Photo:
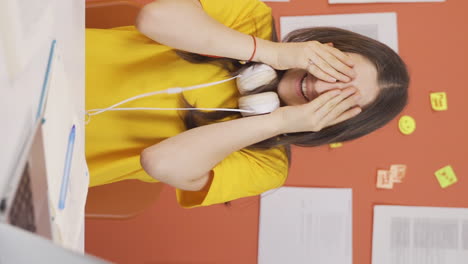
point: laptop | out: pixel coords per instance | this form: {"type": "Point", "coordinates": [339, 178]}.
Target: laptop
{"type": "Point", "coordinates": [23, 179]}
{"type": "Point", "coordinates": [24, 200]}
{"type": "Point", "coordinates": [21, 247]}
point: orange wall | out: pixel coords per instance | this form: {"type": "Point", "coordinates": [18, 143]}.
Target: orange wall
{"type": "Point", "coordinates": [433, 40]}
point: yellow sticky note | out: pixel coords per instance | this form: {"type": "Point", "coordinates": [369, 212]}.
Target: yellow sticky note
{"type": "Point", "coordinates": [407, 124]}
{"type": "Point", "coordinates": [446, 176]}
{"type": "Point", "coordinates": [439, 101]}
{"type": "Point", "coordinates": [336, 145]}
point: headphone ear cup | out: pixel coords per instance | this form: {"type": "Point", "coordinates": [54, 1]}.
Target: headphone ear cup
{"type": "Point", "coordinates": [261, 103]}
{"type": "Point", "coordinates": [254, 77]}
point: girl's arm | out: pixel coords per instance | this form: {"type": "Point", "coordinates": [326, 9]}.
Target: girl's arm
{"type": "Point", "coordinates": [185, 160]}
{"type": "Point", "coordinates": [184, 25]}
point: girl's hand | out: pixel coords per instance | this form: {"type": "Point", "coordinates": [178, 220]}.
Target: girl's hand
{"type": "Point", "coordinates": [328, 109]}
{"type": "Point", "coordinates": [322, 60]}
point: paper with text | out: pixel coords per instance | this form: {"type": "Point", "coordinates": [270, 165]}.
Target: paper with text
{"type": "Point", "coordinates": [379, 26]}
{"type": "Point", "coordinates": [305, 225]}
{"type": "Point", "coordinates": [420, 235]}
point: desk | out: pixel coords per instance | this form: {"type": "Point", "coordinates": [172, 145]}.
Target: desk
{"type": "Point", "coordinates": [40, 23]}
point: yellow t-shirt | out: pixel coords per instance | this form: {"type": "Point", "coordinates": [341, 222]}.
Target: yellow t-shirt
{"type": "Point", "coordinates": [122, 63]}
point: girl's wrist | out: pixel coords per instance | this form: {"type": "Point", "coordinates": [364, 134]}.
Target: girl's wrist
{"type": "Point", "coordinates": [266, 51]}
{"type": "Point", "coordinates": [277, 123]}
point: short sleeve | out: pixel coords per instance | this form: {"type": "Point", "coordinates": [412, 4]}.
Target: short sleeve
{"type": "Point", "coordinates": [251, 17]}
{"type": "Point", "coordinates": [243, 173]}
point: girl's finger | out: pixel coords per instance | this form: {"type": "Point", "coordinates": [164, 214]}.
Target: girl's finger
{"type": "Point", "coordinates": [339, 109]}
{"type": "Point", "coordinates": [323, 64]}
{"type": "Point", "coordinates": [337, 64]}
{"type": "Point", "coordinates": [346, 115]}
{"type": "Point", "coordinates": [322, 99]}
{"type": "Point", "coordinates": [330, 105]}
{"type": "Point", "coordinates": [319, 73]}
{"type": "Point", "coordinates": [340, 55]}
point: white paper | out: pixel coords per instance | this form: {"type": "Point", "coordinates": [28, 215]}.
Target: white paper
{"type": "Point", "coordinates": [420, 235]}
{"type": "Point", "coordinates": [378, 1]}
{"type": "Point", "coordinates": [59, 119]}
{"type": "Point", "coordinates": [379, 26]}
{"type": "Point", "coordinates": [305, 225]}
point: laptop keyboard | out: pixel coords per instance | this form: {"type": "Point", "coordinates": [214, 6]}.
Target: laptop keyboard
{"type": "Point", "coordinates": [22, 211]}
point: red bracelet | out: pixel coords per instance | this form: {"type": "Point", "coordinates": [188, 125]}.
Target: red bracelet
{"type": "Point", "coordinates": [255, 48]}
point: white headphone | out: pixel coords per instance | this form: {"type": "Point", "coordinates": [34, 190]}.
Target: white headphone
{"type": "Point", "coordinates": [250, 79]}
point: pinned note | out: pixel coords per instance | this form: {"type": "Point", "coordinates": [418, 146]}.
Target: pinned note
{"type": "Point", "coordinates": [383, 179]}
{"type": "Point", "coordinates": [446, 176]}
{"type": "Point", "coordinates": [439, 101]}
{"type": "Point", "coordinates": [386, 178]}
{"type": "Point", "coordinates": [397, 172]}
{"type": "Point", "coordinates": [336, 145]}
{"type": "Point", "coordinates": [407, 124]}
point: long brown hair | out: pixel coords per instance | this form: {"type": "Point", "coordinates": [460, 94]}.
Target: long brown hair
{"type": "Point", "coordinates": [392, 78]}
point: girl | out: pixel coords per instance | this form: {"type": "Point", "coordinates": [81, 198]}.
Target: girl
{"type": "Point", "coordinates": [333, 86]}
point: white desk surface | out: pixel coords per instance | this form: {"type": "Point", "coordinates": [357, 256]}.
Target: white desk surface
{"type": "Point", "coordinates": [67, 78]}
{"type": "Point", "coordinates": [63, 21]}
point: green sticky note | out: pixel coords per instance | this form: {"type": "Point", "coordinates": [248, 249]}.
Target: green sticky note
{"type": "Point", "coordinates": [446, 176]}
